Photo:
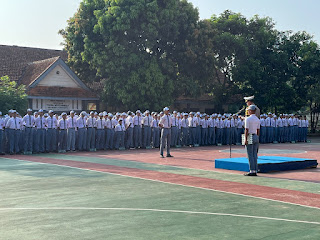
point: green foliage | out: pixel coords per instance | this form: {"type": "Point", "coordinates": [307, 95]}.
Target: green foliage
{"type": "Point", "coordinates": [11, 96]}
{"type": "Point", "coordinates": [135, 45]}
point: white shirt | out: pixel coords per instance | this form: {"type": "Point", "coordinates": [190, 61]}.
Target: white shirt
{"type": "Point", "coordinates": [279, 122]}
{"type": "Point", "coordinates": [119, 127]}
{"type": "Point", "coordinates": [137, 120]}
{"type": "Point", "coordinates": [108, 123]}
{"type": "Point", "coordinates": [72, 122]}
{"type": "Point", "coordinates": [2, 124]}
{"type": "Point", "coordinates": [166, 121]}
{"type": "Point", "coordinates": [28, 120]}
{"type": "Point", "coordinates": [40, 122]}
{"type": "Point", "coordinates": [193, 122]}
{"type": "Point", "coordinates": [174, 121]}
{"type": "Point", "coordinates": [146, 121]}
{"type": "Point", "coordinates": [155, 123]}
{"type": "Point", "coordinates": [14, 123]}
{"type": "Point", "coordinates": [267, 122]}
{"type": "Point", "coordinates": [81, 122]}
{"type": "Point", "coordinates": [129, 122]}
{"type": "Point", "coordinates": [185, 123]}
{"type": "Point", "coordinates": [100, 123]}
{"type": "Point", "coordinates": [239, 123]}
{"type": "Point", "coordinates": [91, 122]}
{"type": "Point", "coordinates": [52, 122]}
{"type": "Point", "coordinates": [204, 123]}
{"type": "Point", "coordinates": [252, 123]}
{"type": "Point", "coordinates": [62, 124]}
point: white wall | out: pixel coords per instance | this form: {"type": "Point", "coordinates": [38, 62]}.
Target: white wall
{"type": "Point", "coordinates": [59, 80]}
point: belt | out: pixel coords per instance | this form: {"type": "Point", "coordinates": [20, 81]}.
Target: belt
{"type": "Point", "coordinates": [72, 128]}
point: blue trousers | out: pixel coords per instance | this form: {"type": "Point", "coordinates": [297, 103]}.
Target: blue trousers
{"type": "Point", "coordinates": [63, 138]}
{"type": "Point", "coordinates": [174, 136]}
{"type": "Point", "coordinates": [2, 141]}
{"type": "Point", "coordinates": [71, 144]}
{"type": "Point", "coordinates": [211, 136]}
{"type": "Point", "coordinates": [109, 135]}
{"type": "Point", "coordinates": [234, 133]}
{"type": "Point", "coordinates": [51, 139]}
{"type": "Point", "coordinates": [14, 138]}
{"type": "Point", "coordinates": [129, 138]}
{"type": "Point", "coordinates": [185, 136]}
{"type": "Point", "coordinates": [239, 138]}
{"type": "Point", "coordinates": [280, 135]}
{"type": "Point", "coordinates": [165, 140]}
{"type": "Point", "coordinates": [198, 135]}
{"type": "Point", "coordinates": [252, 153]}
{"type": "Point", "coordinates": [100, 139]}
{"type": "Point", "coordinates": [137, 136]}
{"type": "Point", "coordinates": [91, 138]}
{"type": "Point", "coordinates": [156, 137]}
{"type": "Point", "coordinates": [28, 139]}
{"type": "Point", "coordinates": [146, 136]}
{"type": "Point", "coordinates": [219, 135]}
{"type": "Point", "coordinates": [204, 136]}
{"type": "Point", "coordinates": [263, 134]}
{"type": "Point", "coordinates": [119, 142]}
{"type": "Point", "coordinates": [82, 136]}
{"type": "Point", "coordinates": [39, 140]}
{"type": "Point", "coordinates": [192, 135]}
{"type": "Point", "coordinates": [228, 135]}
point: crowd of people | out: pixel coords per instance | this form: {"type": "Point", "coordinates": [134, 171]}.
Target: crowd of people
{"type": "Point", "coordinates": [40, 132]}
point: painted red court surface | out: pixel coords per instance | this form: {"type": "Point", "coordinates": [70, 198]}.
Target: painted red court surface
{"type": "Point", "coordinates": [203, 158]}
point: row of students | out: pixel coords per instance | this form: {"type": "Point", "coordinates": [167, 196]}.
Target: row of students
{"type": "Point", "coordinates": [39, 132]}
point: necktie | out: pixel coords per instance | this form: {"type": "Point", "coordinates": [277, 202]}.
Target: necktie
{"type": "Point", "coordinates": [64, 123]}
{"type": "Point", "coordinates": [168, 121]}
{"type": "Point", "coordinates": [72, 121]}
{"type": "Point", "coordinates": [92, 121]}
{"type": "Point", "coordinates": [51, 122]}
{"type": "Point", "coordinates": [192, 122]}
{"type": "Point", "coordinates": [175, 122]}
{"type": "Point", "coordinates": [29, 121]}
{"type": "Point", "coordinates": [138, 121]}
{"type": "Point", "coordinates": [148, 120]}
{"type": "Point", "coordinates": [15, 123]}
{"type": "Point", "coordinates": [101, 123]}
{"type": "Point", "coordinates": [83, 122]}
{"type": "Point", "coordinates": [41, 122]}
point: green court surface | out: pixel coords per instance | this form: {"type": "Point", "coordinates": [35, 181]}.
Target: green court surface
{"type": "Point", "coordinates": [43, 201]}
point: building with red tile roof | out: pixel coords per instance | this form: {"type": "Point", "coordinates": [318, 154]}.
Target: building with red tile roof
{"type": "Point", "coordinates": [50, 83]}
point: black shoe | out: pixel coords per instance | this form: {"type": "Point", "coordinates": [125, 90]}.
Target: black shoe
{"type": "Point", "coordinates": [161, 156]}
{"type": "Point", "coordinates": [250, 174]}
{"type": "Point", "coordinates": [169, 155]}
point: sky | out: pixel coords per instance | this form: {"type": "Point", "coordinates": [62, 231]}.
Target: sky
{"type": "Point", "coordinates": [35, 23]}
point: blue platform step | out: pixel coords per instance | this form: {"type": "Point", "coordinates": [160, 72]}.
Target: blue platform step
{"type": "Point", "coordinates": [267, 164]}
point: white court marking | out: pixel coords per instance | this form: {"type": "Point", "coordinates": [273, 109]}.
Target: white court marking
{"type": "Point", "coordinates": [159, 210]}
{"type": "Point", "coordinates": [176, 184]}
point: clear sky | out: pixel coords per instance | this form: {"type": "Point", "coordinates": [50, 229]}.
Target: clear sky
{"type": "Point", "coordinates": [35, 23]}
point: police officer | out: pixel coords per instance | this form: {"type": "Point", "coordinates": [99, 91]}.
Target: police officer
{"type": "Point", "coordinates": [249, 101]}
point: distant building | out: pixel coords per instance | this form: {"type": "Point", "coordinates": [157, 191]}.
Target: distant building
{"type": "Point", "coordinates": [50, 83]}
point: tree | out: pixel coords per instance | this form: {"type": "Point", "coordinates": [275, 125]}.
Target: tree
{"type": "Point", "coordinates": [11, 96]}
{"type": "Point", "coordinates": [134, 45]}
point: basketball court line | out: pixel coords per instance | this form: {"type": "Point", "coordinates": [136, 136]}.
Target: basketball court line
{"type": "Point", "coordinates": [176, 184]}
{"type": "Point", "coordinates": [159, 210]}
